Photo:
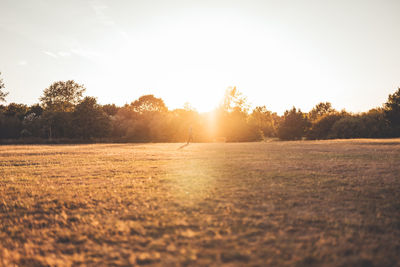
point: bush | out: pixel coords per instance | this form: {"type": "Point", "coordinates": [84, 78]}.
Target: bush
{"type": "Point", "coordinates": [348, 127]}
{"type": "Point", "coordinates": [321, 128]}
{"type": "Point", "coordinates": [293, 126]}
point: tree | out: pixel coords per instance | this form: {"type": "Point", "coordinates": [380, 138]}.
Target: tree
{"type": "Point", "coordinates": [321, 127]}
{"type": "Point", "coordinates": [36, 108]}
{"type": "Point", "coordinates": [143, 119]}
{"type": "Point", "coordinates": [264, 120]}
{"type": "Point", "coordinates": [110, 109]}
{"type": "Point", "coordinates": [293, 126]}
{"type": "Point", "coordinates": [32, 125]}
{"type": "Point", "coordinates": [62, 96]}
{"type": "Point", "coordinates": [392, 112]}
{"type": "Point", "coordinates": [179, 122]}
{"type": "Point", "coordinates": [10, 126]}
{"type": "Point", "coordinates": [234, 99]}
{"type": "Point", "coordinates": [89, 120]}
{"type": "Point", "coordinates": [349, 127]}
{"type": "Point", "coordinates": [56, 124]}
{"type": "Point", "coordinates": [149, 103]}
{"type": "Point", "coordinates": [321, 109]}
{"type": "Point", "coordinates": [2, 94]}
{"type": "Point", "coordinates": [17, 110]}
{"type": "Point", "coordinates": [230, 120]}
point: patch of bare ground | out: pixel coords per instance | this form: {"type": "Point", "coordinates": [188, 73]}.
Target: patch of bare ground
{"type": "Point", "coordinates": [310, 203]}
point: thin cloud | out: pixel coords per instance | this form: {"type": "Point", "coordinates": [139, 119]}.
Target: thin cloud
{"type": "Point", "coordinates": [100, 9]}
{"type": "Point", "coordinates": [64, 54]}
{"type": "Point", "coordinates": [51, 54]}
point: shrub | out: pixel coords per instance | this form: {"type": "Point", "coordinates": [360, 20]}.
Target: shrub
{"type": "Point", "coordinates": [293, 126]}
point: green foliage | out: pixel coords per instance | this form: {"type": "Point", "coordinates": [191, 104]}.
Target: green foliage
{"type": "Point", "coordinates": [143, 120]}
{"type": "Point", "coordinates": [392, 112]}
{"type": "Point", "coordinates": [366, 125]}
{"type": "Point", "coordinates": [321, 128]}
{"type": "Point", "coordinates": [36, 108]}
{"type": "Point", "coordinates": [293, 125]}
{"type": "Point", "coordinates": [2, 94]}
{"type": "Point", "coordinates": [63, 114]}
{"type": "Point", "coordinates": [57, 124]}
{"type": "Point", "coordinates": [62, 96]}
{"type": "Point", "coordinates": [26, 133]}
{"type": "Point", "coordinates": [148, 103]}
{"type": "Point", "coordinates": [110, 109]}
{"type": "Point", "coordinates": [320, 110]}
{"type": "Point", "coordinates": [264, 121]}
{"type": "Point", "coordinates": [18, 110]}
{"type": "Point", "coordinates": [11, 120]}
{"type": "Point", "coordinates": [376, 124]}
{"type": "Point", "coordinates": [349, 127]}
{"type": "Point", "coordinates": [89, 120]}
{"type": "Point", "coordinates": [33, 124]}
{"type": "Point", "coordinates": [10, 126]}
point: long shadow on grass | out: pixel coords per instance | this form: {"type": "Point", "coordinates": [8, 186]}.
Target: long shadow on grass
{"type": "Point", "coordinates": [185, 145]}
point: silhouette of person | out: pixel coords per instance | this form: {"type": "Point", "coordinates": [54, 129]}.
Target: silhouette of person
{"type": "Point", "coordinates": [190, 135]}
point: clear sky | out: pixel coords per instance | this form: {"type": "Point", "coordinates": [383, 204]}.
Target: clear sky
{"type": "Point", "coordinates": [278, 53]}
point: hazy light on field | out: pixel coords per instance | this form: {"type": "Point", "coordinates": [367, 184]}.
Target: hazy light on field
{"type": "Point", "coordinates": [277, 53]}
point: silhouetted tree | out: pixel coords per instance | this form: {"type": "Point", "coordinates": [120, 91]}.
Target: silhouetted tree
{"type": "Point", "coordinates": [110, 109]}
{"type": "Point", "coordinates": [349, 127]}
{"type": "Point", "coordinates": [62, 96]}
{"type": "Point", "coordinates": [32, 125]}
{"type": "Point", "coordinates": [58, 101]}
{"type": "Point", "coordinates": [392, 112]}
{"type": "Point", "coordinates": [36, 108]}
{"type": "Point", "coordinates": [57, 124]}
{"type": "Point", "coordinates": [264, 121]}
{"type": "Point", "coordinates": [320, 110]}
{"type": "Point", "coordinates": [144, 119]}
{"type": "Point", "coordinates": [17, 110]}
{"type": "Point", "coordinates": [11, 120]}
{"type": "Point", "coordinates": [293, 125]}
{"type": "Point", "coordinates": [63, 114]}
{"type": "Point", "coordinates": [2, 94]}
{"type": "Point", "coordinates": [10, 126]}
{"type": "Point", "coordinates": [322, 126]}
{"type": "Point", "coordinates": [376, 125]}
{"type": "Point", "coordinates": [89, 120]}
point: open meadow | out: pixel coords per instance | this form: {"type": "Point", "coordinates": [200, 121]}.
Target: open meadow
{"type": "Point", "coordinates": [300, 203]}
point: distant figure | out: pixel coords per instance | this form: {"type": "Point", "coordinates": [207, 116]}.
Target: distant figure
{"type": "Point", "coordinates": [190, 135]}
{"type": "Point", "coordinates": [190, 138]}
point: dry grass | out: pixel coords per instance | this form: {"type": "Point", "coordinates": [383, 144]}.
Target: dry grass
{"type": "Point", "coordinates": [279, 203]}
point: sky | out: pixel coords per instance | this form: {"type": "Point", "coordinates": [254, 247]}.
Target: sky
{"type": "Point", "coordinates": [278, 53]}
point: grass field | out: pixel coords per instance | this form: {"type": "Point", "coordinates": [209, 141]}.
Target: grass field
{"type": "Point", "coordinates": [310, 203]}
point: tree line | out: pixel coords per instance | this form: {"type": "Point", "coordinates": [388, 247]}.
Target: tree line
{"type": "Point", "coordinates": [64, 114]}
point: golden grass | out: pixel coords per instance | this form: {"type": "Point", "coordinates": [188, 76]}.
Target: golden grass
{"type": "Point", "coordinates": [278, 203]}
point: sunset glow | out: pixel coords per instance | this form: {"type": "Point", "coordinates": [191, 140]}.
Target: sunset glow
{"type": "Point", "coordinates": [199, 132]}
{"type": "Point", "coordinates": [278, 54]}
